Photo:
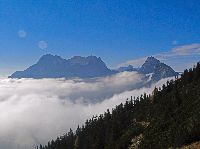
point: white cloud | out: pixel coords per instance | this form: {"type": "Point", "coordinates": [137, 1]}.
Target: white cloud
{"type": "Point", "coordinates": [35, 111]}
{"type": "Point", "coordinates": [186, 50]}
{"type": "Point", "coordinates": [22, 33]}
{"type": "Point", "coordinates": [42, 44]}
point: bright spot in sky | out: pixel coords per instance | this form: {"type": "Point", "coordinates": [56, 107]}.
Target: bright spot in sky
{"type": "Point", "coordinates": [42, 44]}
{"type": "Point", "coordinates": [22, 33]}
{"type": "Point", "coordinates": [175, 42]}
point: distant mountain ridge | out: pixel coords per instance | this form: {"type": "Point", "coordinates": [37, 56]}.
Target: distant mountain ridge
{"type": "Point", "coordinates": [153, 68]}
{"type": "Point", "coordinates": [128, 68]}
{"type": "Point", "coordinates": [158, 69]}
{"type": "Point", "coordinates": [53, 66]}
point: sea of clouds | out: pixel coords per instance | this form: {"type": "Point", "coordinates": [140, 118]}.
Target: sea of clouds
{"type": "Point", "coordinates": [34, 111]}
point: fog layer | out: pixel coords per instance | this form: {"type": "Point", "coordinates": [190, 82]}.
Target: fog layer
{"type": "Point", "coordinates": [36, 111]}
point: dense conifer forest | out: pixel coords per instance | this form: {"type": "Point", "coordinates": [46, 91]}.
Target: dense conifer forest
{"type": "Point", "coordinates": [169, 118]}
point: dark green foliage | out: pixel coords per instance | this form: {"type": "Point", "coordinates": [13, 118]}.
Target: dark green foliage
{"type": "Point", "coordinates": [175, 113]}
{"type": "Point", "coordinates": [172, 114]}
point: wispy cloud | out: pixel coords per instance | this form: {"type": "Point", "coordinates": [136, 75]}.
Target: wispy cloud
{"type": "Point", "coordinates": [184, 50]}
{"type": "Point", "coordinates": [187, 49]}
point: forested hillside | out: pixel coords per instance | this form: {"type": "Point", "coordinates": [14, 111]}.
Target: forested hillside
{"type": "Point", "coordinates": [169, 118]}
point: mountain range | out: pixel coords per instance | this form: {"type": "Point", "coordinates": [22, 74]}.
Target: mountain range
{"type": "Point", "coordinates": [50, 66]}
{"type": "Point", "coordinates": [53, 66]}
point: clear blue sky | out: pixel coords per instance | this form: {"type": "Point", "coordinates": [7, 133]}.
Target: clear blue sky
{"type": "Point", "coordinates": [115, 30]}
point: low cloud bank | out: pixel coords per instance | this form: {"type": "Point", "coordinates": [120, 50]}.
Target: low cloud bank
{"type": "Point", "coordinates": [36, 111]}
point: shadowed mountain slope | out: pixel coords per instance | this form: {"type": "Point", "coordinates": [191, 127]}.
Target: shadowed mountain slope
{"type": "Point", "coordinates": [50, 66]}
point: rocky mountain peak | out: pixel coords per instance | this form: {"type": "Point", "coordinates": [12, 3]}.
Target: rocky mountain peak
{"type": "Point", "coordinates": [158, 69]}
{"type": "Point", "coordinates": [53, 66]}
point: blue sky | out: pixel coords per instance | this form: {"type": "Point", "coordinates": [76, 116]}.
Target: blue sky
{"type": "Point", "coordinates": [116, 30]}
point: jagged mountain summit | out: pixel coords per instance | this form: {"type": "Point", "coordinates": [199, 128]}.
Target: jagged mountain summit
{"type": "Point", "coordinates": [149, 65]}
{"type": "Point", "coordinates": [156, 69]}
{"type": "Point", "coordinates": [53, 66]}
{"type": "Point", "coordinates": [153, 68]}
